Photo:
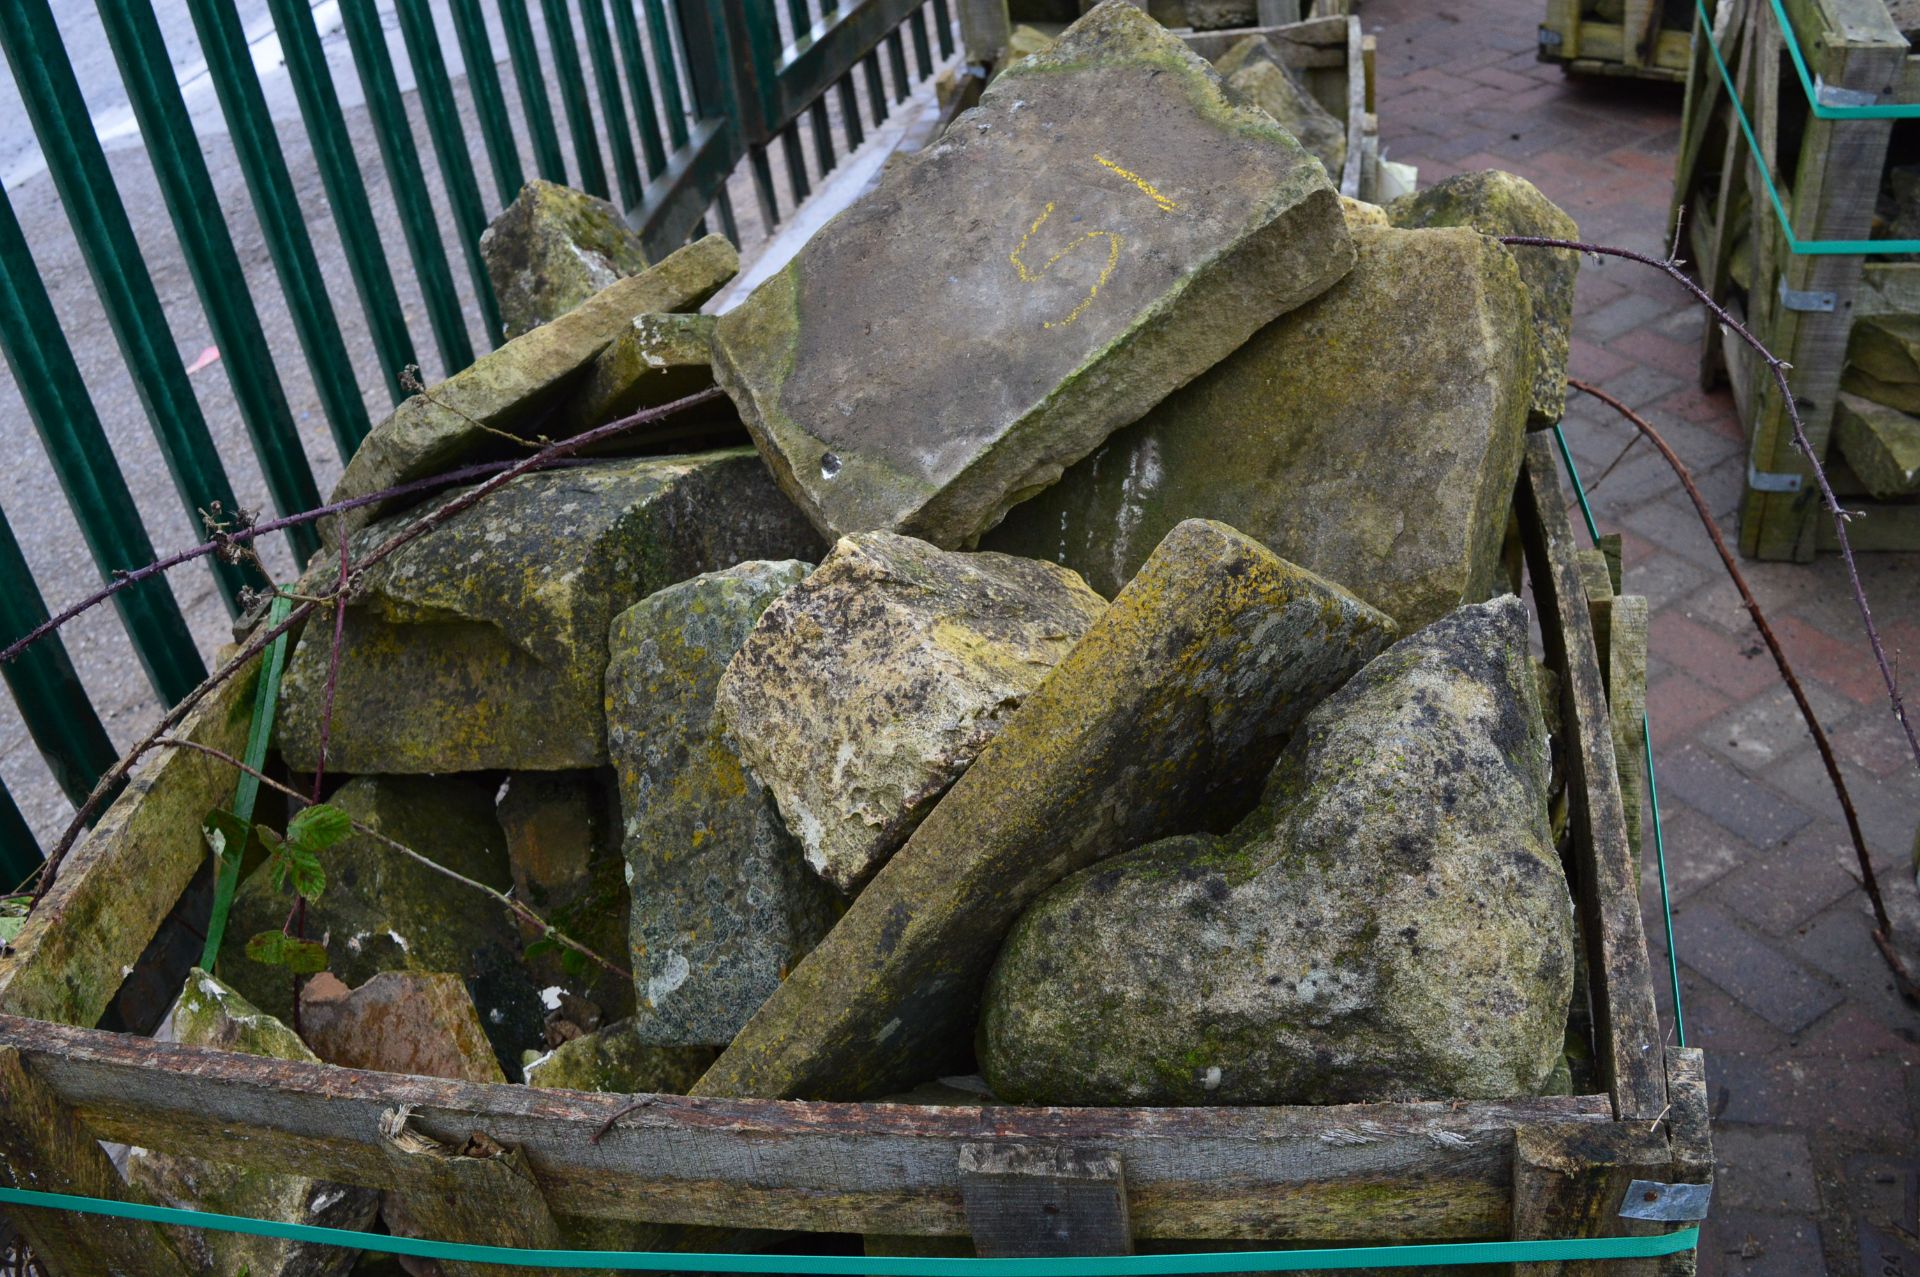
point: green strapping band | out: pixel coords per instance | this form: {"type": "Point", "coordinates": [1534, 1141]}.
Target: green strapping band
{"type": "Point", "coordinates": [1804, 247]}
{"type": "Point", "coordinates": [1826, 111]}
{"type": "Point", "coordinates": [1445, 1254]}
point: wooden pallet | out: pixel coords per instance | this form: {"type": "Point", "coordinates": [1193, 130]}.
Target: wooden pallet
{"type": "Point", "coordinates": [1351, 1174]}
{"type": "Point", "coordinates": [1638, 45]}
{"type": "Point", "coordinates": [1829, 186]}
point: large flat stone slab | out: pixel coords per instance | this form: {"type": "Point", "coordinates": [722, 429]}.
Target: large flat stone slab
{"type": "Point", "coordinates": [865, 690]}
{"type": "Point", "coordinates": [519, 389]}
{"type": "Point", "coordinates": [1181, 693]}
{"type": "Point", "coordinates": [1372, 436]}
{"type": "Point", "coordinates": [1882, 445]}
{"type": "Point", "coordinates": [1392, 923]}
{"type": "Point", "coordinates": [483, 643]}
{"type": "Point", "coordinates": [1104, 226]}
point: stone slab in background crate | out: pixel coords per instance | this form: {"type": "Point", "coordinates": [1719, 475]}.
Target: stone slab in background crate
{"type": "Point", "coordinates": [1638, 43]}
{"type": "Point", "coordinates": [1364, 1174]}
{"type": "Point", "coordinates": [1802, 306]}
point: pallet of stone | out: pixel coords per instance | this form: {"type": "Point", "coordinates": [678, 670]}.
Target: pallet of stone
{"type": "Point", "coordinates": [1646, 39]}
{"type": "Point", "coordinates": [941, 1170]}
{"type": "Point", "coordinates": [1842, 321]}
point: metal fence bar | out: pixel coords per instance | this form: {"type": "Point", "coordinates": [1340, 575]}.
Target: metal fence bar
{"type": "Point", "coordinates": [147, 72]}
{"type": "Point", "coordinates": [19, 853]}
{"type": "Point", "coordinates": [63, 414]}
{"type": "Point", "coordinates": [669, 74]}
{"type": "Point", "coordinates": [876, 86]}
{"type": "Point", "coordinates": [78, 165]}
{"type": "Point", "coordinates": [922, 49]}
{"type": "Point", "coordinates": [640, 83]}
{"type": "Point", "coordinates": [46, 689]}
{"type": "Point", "coordinates": [593, 20]}
{"type": "Point", "coordinates": [450, 149]}
{"type": "Point", "coordinates": [897, 63]}
{"type": "Point", "coordinates": [483, 79]}
{"type": "Point", "coordinates": [547, 159]}
{"type": "Point", "coordinates": [943, 27]}
{"type": "Point", "coordinates": [243, 105]}
{"type": "Point", "coordinates": [417, 220]}
{"type": "Point", "coordinates": [573, 97]}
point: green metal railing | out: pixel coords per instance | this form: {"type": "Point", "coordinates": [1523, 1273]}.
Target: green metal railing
{"type": "Point", "coordinates": [670, 98]}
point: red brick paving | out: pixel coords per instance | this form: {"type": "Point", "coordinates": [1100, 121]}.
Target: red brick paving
{"type": "Point", "coordinates": [1809, 1121]}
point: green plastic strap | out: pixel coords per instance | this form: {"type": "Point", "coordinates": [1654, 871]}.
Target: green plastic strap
{"type": "Point", "coordinates": [1447, 1254]}
{"type": "Point", "coordinates": [1803, 247]}
{"type": "Point", "coordinates": [266, 696]}
{"type": "Point", "coordinates": [1653, 783]}
{"type": "Point", "coordinates": [1826, 111]}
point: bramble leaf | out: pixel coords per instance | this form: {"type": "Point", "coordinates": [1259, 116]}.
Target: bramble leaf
{"type": "Point", "coordinates": [278, 949]}
{"type": "Point", "coordinates": [319, 827]}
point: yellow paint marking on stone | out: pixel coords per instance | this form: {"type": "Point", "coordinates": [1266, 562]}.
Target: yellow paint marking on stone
{"type": "Point", "coordinates": [1031, 276]}
{"type": "Point", "coordinates": [1146, 187]}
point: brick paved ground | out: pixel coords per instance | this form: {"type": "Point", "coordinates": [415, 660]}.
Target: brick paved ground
{"type": "Point", "coordinates": [1811, 1057]}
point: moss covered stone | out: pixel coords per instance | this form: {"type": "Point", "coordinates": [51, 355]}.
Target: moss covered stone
{"type": "Point", "coordinates": [1272, 88]}
{"type": "Point", "coordinates": [212, 1014]}
{"type": "Point", "coordinates": [1104, 226]}
{"type": "Point", "coordinates": [865, 691]}
{"type": "Point", "coordinates": [519, 389]}
{"type": "Point", "coordinates": [483, 643]}
{"type": "Point", "coordinates": [1372, 436]}
{"type": "Point", "coordinates": [1178, 696]}
{"type": "Point", "coordinates": [384, 912]}
{"type": "Point", "coordinates": [616, 1058]}
{"type": "Point", "coordinates": [1882, 445]}
{"type": "Point", "coordinates": [723, 905]}
{"type": "Point", "coordinates": [655, 360]}
{"type": "Point", "coordinates": [1391, 924]}
{"type": "Point", "coordinates": [563, 845]}
{"type": "Point", "coordinates": [552, 249]}
{"type": "Point", "coordinates": [1497, 203]}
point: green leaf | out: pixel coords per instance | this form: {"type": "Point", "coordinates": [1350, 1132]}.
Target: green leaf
{"type": "Point", "coordinates": [541, 947]}
{"type": "Point", "coordinates": [309, 879]}
{"type": "Point", "coordinates": [226, 835]}
{"type": "Point", "coordinates": [319, 827]}
{"type": "Point", "coordinates": [278, 949]}
{"type": "Point", "coordinates": [574, 963]}
{"type": "Point", "coordinates": [9, 928]}
{"type": "Point", "coordinates": [13, 916]}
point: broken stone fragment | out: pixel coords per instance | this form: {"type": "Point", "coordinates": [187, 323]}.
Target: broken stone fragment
{"type": "Point", "coordinates": [723, 904]}
{"type": "Point", "coordinates": [868, 688]}
{"type": "Point", "coordinates": [931, 356]}
{"type": "Point", "coordinates": [1882, 445]}
{"type": "Point", "coordinates": [1213, 15]}
{"type": "Point", "coordinates": [1887, 349]}
{"type": "Point", "coordinates": [210, 1014]}
{"type": "Point", "coordinates": [1497, 203]}
{"type": "Point", "coordinates": [552, 249]}
{"type": "Point", "coordinates": [565, 856]}
{"type": "Point", "coordinates": [1391, 924]}
{"type": "Point", "coordinates": [482, 644]}
{"type": "Point", "coordinates": [616, 1058]}
{"type": "Point", "coordinates": [1372, 436]}
{"type": "Point", "coordinates": [519, 389]}
{"type": "Point", "coordinates": [1178, 697]}
{"type": "Point", "coordinates": [655, 360]}
{"type": "Point", "coordinates": [1359, 213]}
{"type": "Point", "coordinates": [1272, 88]}
{"type": "Point", "coordinates": [1024, 41]}
{"type": "Point", "coordinates": [382, 911]}
{"type": "Point", "coordinates": [422, 1023]}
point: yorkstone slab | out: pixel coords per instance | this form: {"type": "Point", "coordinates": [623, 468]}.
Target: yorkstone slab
{"type": "Point", "coordinates": [723, 905]}
{"type": "Point", "coordinates": [1882, 445]}
{"type": "Point", "coordinates": [483, 643]}
{"type": "Point", "coordinates": [1497, 203]}
{"type": "Point", "coordinates": [656, 359]}
{"type": "Point", "coordinates": [552, 249]}
{"type": "Point", "coordinates": [1103, 227]}
{"type": "Point", "coordinates": [1372, 436]}
{"type": "Point", "coordinates": [1391, 924]}
{"type": "Point", "coordinates": [1269, 85]}
{"type": "Point", "coordinates": [1178, 696]}
{"type": "Point", "coordinates": [867, 689]}
{"type": "Point", "coordinates": [616, 1058]}
{"type": "Point", "coordinates": [519, 388]}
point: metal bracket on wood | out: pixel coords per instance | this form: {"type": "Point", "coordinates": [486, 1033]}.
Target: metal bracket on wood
{"type": "Point", "coordinates": [1770, 480]}
{"type": "Point", "coordinates": [1672, 1203]}
{"type": "Point", "coordinates": [1833, 95]}
{"type": "Point", "coordinates": [1808, 299]}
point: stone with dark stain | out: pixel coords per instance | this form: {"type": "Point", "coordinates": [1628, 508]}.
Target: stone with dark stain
{"type": "Point", "coordinates": [1178, 696]}
{"type": "Point", "coordinates": [1104, 226]}
{"type": "Point", "coordinates": [1391, 924]}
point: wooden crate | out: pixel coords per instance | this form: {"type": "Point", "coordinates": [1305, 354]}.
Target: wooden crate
{"type": "Point", "coordinates": [1638, 45]}
{"type": "Point", "coordinates": [1802, 306]}
{"type": "Point", "coordinates": [1351, 1174]}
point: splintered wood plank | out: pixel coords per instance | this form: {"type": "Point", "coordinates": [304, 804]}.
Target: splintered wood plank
{"type": "Point", "coordinates": [1026, 1201]}
{"type": "Point", "coordinates": [45, 1148]}
{"type": "Point", "coordinates": [1628, 1044]}
{"type": "Point", "coordinates": [1572, 1183]}
{"type": "Point", "coordinates": [1381, 1171]}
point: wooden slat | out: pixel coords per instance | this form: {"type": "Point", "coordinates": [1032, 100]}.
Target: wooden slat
{"type": "Point", "coordinates": [1386, 1171]}
{"type": "Point", "coordinates": [1027, 1202]}
{"type": "Point", "coordinates": [120, 882]}
{"type": "Point", "coordinates": [1563, 18]}
{"type": "Point", "coordinates": [1356, 112]}
{"type": "Point", "coordinates": [43, 1146]}
{"type": "Point", "coordinates": [1626, 673]}
{"type": "Point", "coordinates": [1639, 28]}
{"type": "Point", "coordinates": [1628, 1043]}
{"type": "Point", "coordinates": [1571, 1184]}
